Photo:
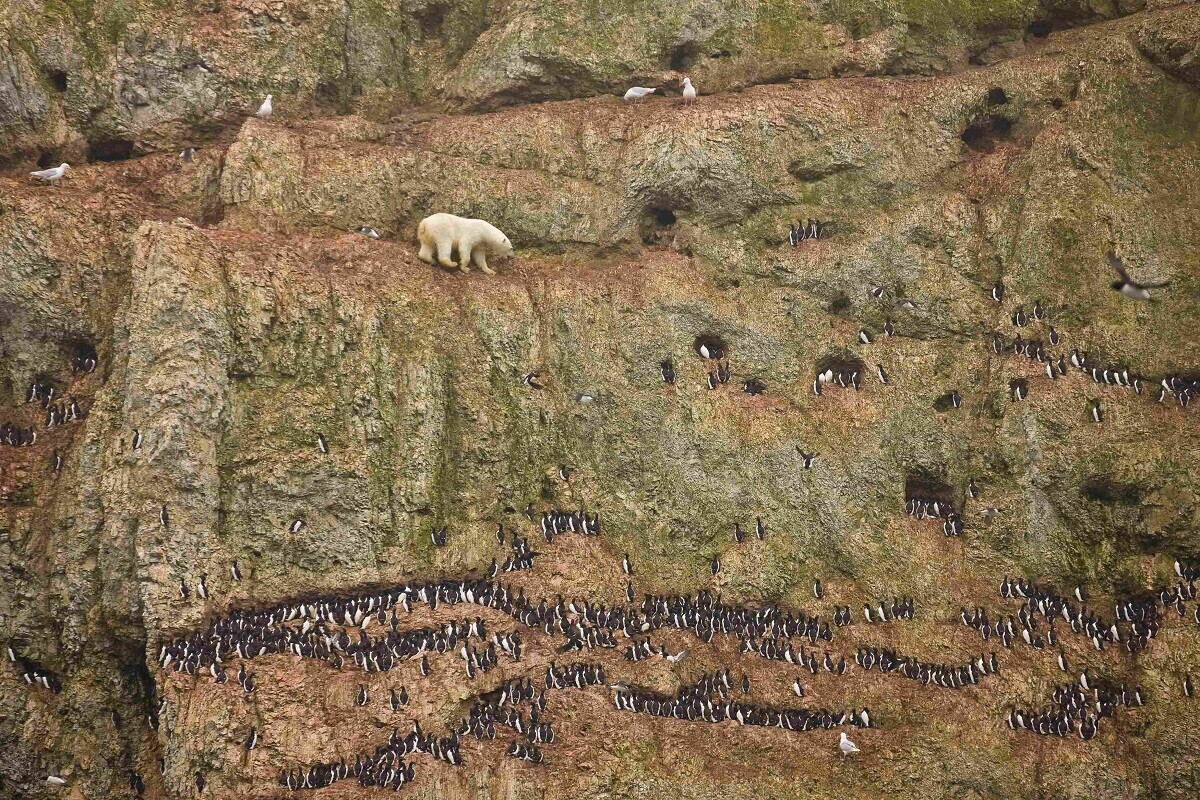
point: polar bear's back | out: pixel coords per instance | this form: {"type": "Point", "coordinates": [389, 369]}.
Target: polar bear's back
{"type": "Point", "coordinates": [454, 228]}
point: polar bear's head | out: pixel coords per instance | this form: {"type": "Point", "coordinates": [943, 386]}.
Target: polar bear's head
{"type": "Point", "coordinates": [506, 247]}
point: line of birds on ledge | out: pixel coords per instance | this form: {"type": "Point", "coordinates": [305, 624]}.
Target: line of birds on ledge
{"type": "Point", "coordinates": [322, 627]}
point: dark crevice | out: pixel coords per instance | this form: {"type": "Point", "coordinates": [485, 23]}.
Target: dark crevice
{"type": "Point", "coordinates": [841, 362]}
{"type": "Point", "coordinates": [58, 79]}
{"type": "Point", "coordinates": [984, 133]}
{"type": "Point", "coordinates": [710, 343]}
{"type": "Point", "coordinates": [1105, 490]}
{"type": "Point", "coordinates": [110, 150]}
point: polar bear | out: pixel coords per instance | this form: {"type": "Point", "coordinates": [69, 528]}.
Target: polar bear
{"type": "Point", "coordinates": [472, 238]}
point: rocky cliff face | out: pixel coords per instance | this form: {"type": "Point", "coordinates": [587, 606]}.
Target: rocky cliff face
{"type": "Point", "coordinates": [234, 317]}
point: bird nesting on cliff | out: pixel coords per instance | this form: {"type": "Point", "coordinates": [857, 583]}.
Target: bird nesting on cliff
{"type": "Point", "coordinates": [638, 92]}
{"type": "Point", "coordinates": [810, 229]}
{"type": "Point", "coordinates": [266, 109]}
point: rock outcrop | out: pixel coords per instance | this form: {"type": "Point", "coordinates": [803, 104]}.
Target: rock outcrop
{"type": "Point", "coordinates": [235, 317]}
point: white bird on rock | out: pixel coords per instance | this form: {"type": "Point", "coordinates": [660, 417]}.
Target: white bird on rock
{"type": "Point", "coordinates": [846, 746]}
{"type": "Point", "coordinates": [638, 92]}
{"type": "Point", "coordinates": [265, 109]}
{"type": "Point", "coordinates": [52, 174]}
{"type": "Point", "coordinates": [689, 91]}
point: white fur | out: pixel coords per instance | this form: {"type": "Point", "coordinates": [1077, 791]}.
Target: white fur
{"type": "Point", "coordinates": [472, 238]}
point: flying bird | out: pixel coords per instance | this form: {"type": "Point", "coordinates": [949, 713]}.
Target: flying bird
{"type": "Point", "coordinates": [1126, 286]}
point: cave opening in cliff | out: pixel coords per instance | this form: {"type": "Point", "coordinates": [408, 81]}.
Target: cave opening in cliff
{"type": "Point", "coordinates": [110, 150]}
{"type": "Point", "coordinates": [923, 485]}
{"type": "Point", "coordinates": [709, 345]}
{"type": "Point", "coordinates": [82, 352]}
{"type": "Point", "coordinates": [1107, 491]}
{"type": "Point", "coordinates": [838, 363]}
{"type": "Point", "coordinates": [58, 79]}
{"type": "Point", "coordinates": [684, 56]}
{"type": "Point", "coordinates": [983, 134]}
{"type": "Point", "coordinates": [997, 96]}
{"type": "Point", "coordinates": [1039, 28]}
{"type": "Point", "coordinates": [655, 220]}
{"type": "Point", "coordinates": [47, 159]}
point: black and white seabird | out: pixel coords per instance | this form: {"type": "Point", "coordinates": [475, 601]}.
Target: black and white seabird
{"type": "Point", "coordinates": [818, 589]}
{"type": "Point", "coordinates": [754, 386]}
{"type": "Point", "coordinates": [955, 399]}
{"type": "Point", "coordinates": [235, 571]}
{"type": "Point", "coordinates": [1097, 415]}
{"type": "Point", "coordinates": [760, 528]}
{"type": "Point", "coordinates": [137, 438]}
{"type": "Point", "coordinates": [183, 590]}
{"type": "Point", "coordinates": [972, 489]}
{"type": "Point", "coordinates": [998, 291]}
{"type": "Point", "coordinates": [627, 565]}
{"type": "Point", "coordinates": [322, 444]}
{"type": "Point", "coordinates": [530, 379]}
{"type": "Point", "coordinates": [252, 739]}
{"type": "Point", "coordinates": [882, 373]}
{"type": "Point", "coordinates": [667, 370]}
{"type": "Point", "coordinates": [889, 330]}
{"type": "Point", "coordinates": [807, 459]}
{"type": "Point", "coordinates": [296, 525]}
{"type": "Point", "coordinates": [164, 518]}
{"type": "Point", "coordinates": [714, 566]}
{"type": "Point", "coordinates": [56, 461]}
{"type": "Point", "coordinates": [202, 587]}
{"type": "Point", "coordinates": [186, 154]}
{"type": "Point", "coordinates": [368, 231]}
{"type": "Point", "coordinates": [362, 698]}
{"type": "Point", "coordinates": [1127, 286]}
{"type": "Point", "coordinates": [863, 336]}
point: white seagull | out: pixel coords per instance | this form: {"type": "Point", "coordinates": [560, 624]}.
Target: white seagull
{"type": "Point", "coordinates": [689, 91]}
{"type": "Point", "coordinates": [52, 174]}
{"type": "Point", "coordinates": [638, 92]}
{"type": "Point", "coordinates": [265, 109]}
{"type": "Point", "coordinates": [846, 746]}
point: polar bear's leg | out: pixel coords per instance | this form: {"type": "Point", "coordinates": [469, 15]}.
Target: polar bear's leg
{"type": "Point", "coordinates": [480, 258]}
{"type": "Point", "coordinates": [426, 252]}
{"type": "Point", "coordinates": [443, 250]}
{"type": "Point", "coordinates": [464, 253]}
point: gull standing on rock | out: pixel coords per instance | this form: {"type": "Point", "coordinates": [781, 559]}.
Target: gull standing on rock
{"type": "Point", "coordinates": [689, 91]}
{"type": "Point", "coordinates": [846, 746]}
{"type": "Point", "coordinates": [638, 92]}
{"type": "Point", "coordinates": [265, 109]}
{"type": "Point", "coordinates": [54, 173]}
